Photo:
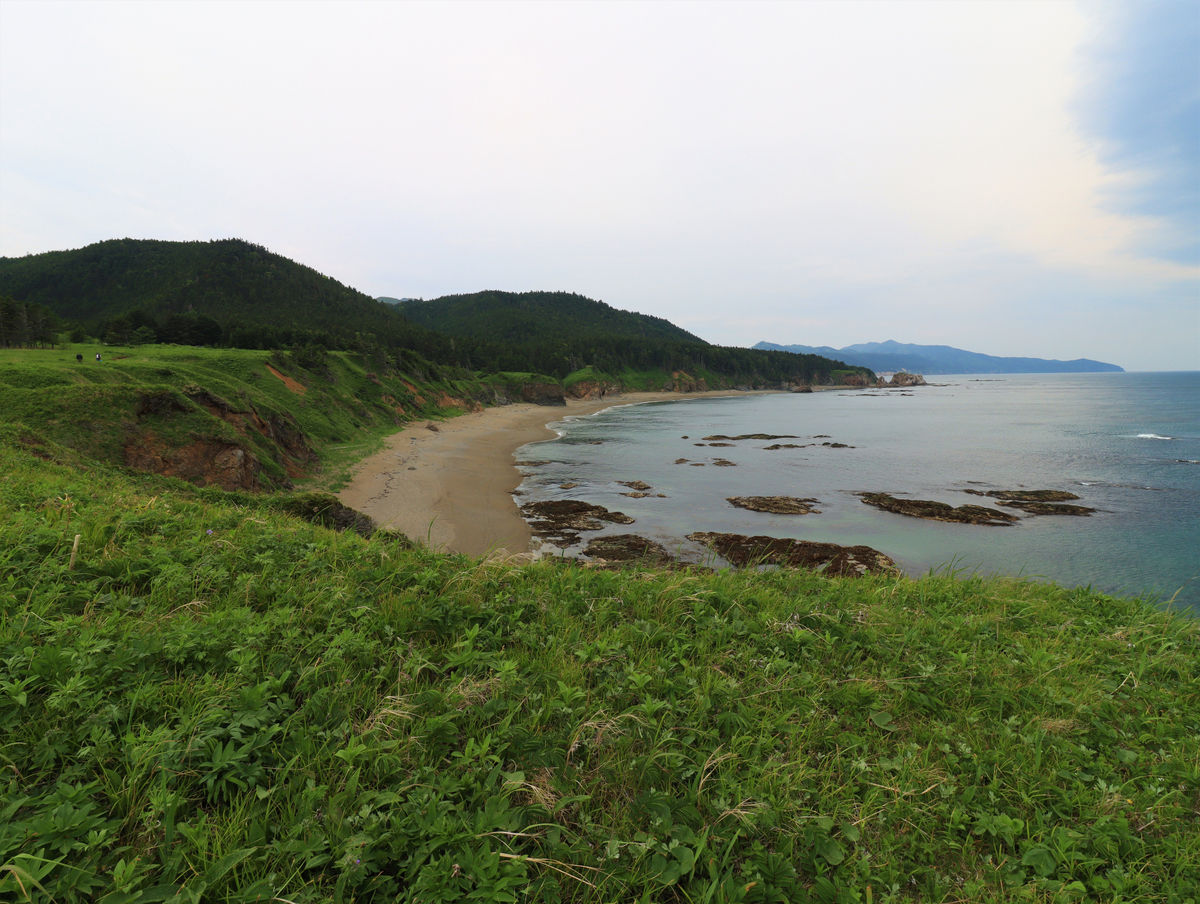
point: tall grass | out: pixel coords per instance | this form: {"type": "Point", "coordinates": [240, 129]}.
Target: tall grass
{"type": "Point", "coordinates": [214, 701]}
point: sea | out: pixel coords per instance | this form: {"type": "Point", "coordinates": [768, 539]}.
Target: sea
{"type": "Point", "coordinates": [1128, 444]}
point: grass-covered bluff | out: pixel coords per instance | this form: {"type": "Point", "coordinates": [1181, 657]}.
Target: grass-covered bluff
{"type": "Point", "coordinates": [208, 699]}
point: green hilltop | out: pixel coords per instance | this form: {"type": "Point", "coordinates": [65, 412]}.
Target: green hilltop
{"type": "Point", "coordinates": [519, 317]}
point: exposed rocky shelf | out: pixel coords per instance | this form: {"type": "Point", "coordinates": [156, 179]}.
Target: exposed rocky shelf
{"type": "Point", "coordinates": [721, 436]}
{"type": "Point", "coordinates": [829, 558]}
{"type": "Point", "coordinates": [628, 548]}
{"type": "Point", "coordinates": [561, 520]}
{"type": "Point", "coordinates": [776, 505]}
{"type": "Point", "coordinates": [1037, 502]}
{"type": "Point", "coordinates": [939, 511]}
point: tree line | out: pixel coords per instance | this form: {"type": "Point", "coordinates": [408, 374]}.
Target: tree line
{"type": "Point", "coordinates": [26, 325]}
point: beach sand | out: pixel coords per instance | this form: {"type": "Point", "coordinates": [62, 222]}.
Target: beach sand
{"type": "Point", "coordinates": [448, 484]}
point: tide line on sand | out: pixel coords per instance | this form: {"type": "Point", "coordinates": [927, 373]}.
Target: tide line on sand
{"type": "Point", "coordinates": [450, 488]}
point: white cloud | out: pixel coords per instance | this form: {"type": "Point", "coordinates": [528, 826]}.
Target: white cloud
{"type": "Point", "coordinates": [720, 164]}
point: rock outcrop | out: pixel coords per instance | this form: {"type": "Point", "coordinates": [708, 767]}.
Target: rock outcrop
{"type": "Point", "coordinates": [593, 389]}
{"type": "Point", "coordinates": [628, 548]}
{"type": "Point", "coordinates": [828, 558]}
{"type": "Point", "coordinates": [684, 382]}
{"type": "Point", "coordinates": [561, 520]}
{"type": "Point", "coordinates": [1037, 502]}
{"type": "Point", "coordinates": [207, 462]}
{"type": "Point", "coordinates": [939, 511]}
{"type": "Point", "coordinates": [535, 393]}
{"type": "Point", "coordinates": [776, 505]}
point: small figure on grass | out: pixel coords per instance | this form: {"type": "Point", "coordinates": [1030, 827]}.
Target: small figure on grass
{"type": "Point", "coordinates": [79, 358]}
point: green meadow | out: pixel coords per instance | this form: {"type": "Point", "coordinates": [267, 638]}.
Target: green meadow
{"type": "Point", "coordinates": [205, 697]}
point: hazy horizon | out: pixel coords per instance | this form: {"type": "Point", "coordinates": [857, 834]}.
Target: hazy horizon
{"type": "Point", "coordinates": [1013, 179]}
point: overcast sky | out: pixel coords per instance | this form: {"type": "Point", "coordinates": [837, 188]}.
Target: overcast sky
{"type": "Point", "coordinates": [1015, 178]}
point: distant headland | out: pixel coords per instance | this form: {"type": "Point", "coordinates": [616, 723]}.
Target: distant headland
{"type": "Point", "coordinates": [892, 356]}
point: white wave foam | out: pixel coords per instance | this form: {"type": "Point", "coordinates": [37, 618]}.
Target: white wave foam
{"type": "Point", "coordinates": [1152, 436]}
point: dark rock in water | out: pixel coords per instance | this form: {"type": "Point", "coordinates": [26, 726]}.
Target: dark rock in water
{"type": "Point", "coordinates": [1026, 495]}
{"type": "Point", "coordinates": [829, 558]}
{"type": "Point", "coordinates": [681, 461]}
{"type": "Point", "coordinates": [939, 511]}
{"type": "Point", "coordinates": [634, 484]}
{"type": "Point", "coordinates": [776, 505]}
{"type": "Point", "coordinates": [717, 436]}
{"type": "Point", "coordinates": [720, 444]}
{"type": "Point", "coordinates": [837, 445]}
{"type": "Point", "coordinates": [1037, 502]}
{"type": "Point", "coordinates": [724, 463]}
{"type": "Point", "coordinates": [1048, 508]}
{"type": "Point", "coordinates": [627, 548]}
{"type": "Point", "coordinates": [774, 446]}
{"type": "Point", "coordinates": [560, 520]}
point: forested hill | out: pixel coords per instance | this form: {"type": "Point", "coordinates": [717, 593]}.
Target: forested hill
{"type": "Point", "coordinates": [234, 293]}
{"type": "Point", "coordinates": [229, 292]}
{"type": "Point", "coordinates": [561, 334]}
{"type": "Point", "coordinates": [513, 317]}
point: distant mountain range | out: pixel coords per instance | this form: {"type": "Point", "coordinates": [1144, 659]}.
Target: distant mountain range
{"type": "Point", "coordinates": [892, 356]}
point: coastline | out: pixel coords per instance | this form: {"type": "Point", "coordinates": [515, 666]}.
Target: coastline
{"type": "Point", "coordinates": [448, 484]}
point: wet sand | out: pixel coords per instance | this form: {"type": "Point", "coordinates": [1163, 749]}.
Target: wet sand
{"type": "Point", "coordinates": [448, 484]}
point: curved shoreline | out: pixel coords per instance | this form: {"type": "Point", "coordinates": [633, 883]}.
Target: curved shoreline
{"type": "Point", "coordinates": [448, 484]}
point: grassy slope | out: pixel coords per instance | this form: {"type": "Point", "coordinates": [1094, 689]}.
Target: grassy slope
{"type": "Point", "coordinates": [210, 700]}
{"type": "Point", "coordinates": [92, 407]}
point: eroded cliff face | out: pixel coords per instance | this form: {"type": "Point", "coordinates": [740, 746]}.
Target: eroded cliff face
{"type": "Point", "coordinates": [207, 462]}
{"type": "Point", "coordinates": [907, 379]}
{"type": "Point", "coordinates": [855, 380]}
{"type": "Point", "coordinates": [593, 389]}
{"type": "Point", "coordinates": [535, 393]}
{"type": "Point", "coordinates": [153, 442]}
{"type": "Point", "coordinates": [684, 382]}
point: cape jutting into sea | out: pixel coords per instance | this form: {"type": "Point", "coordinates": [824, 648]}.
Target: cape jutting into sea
{"type": "Point", "coordinates": [1127, 444]}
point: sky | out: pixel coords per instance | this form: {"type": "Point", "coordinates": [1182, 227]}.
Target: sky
{"type": "Point", "coordinates": [1014, 178]}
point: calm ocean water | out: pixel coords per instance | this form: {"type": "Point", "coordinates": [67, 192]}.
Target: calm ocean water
{"type": "Point", "coordinates": [1127, 444]}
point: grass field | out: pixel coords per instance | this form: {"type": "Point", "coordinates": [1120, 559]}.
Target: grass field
{"type": "Point", "coordinates": [203, 698]}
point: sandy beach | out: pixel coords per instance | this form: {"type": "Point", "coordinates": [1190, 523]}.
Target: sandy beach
{"type": "Point", "coordinates": [448, 484]}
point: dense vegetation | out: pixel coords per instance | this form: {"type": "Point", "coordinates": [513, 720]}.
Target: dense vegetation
{"type": "Point", "coordinates": [521, 317]}
{"type": "Point", "coordinates": [26, 325]}
{"type": "Point", "coordinates": [559, 333]}
{"type": "Point", "coordinates": [204, 697]}
{"type": "Point", "coordinates": [234, 293]}
{"type": "Point", "coordinates": [184, 289]}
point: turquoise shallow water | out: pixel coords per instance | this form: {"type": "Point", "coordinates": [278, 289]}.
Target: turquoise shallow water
{"type": "Point", "coordinates": [1127, 444]}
